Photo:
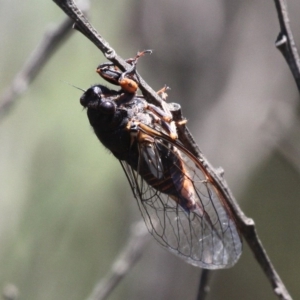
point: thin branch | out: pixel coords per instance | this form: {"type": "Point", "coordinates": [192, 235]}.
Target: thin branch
{"type": "Point", "coordinates": [285, 41]}
{"type": "Point", "coordinates": [127, 258]}
{"type": "Point", "coordinates": [204, 289]}
{"type": "Point", "coordinates": [246, 225]}
{"type": "Point", "coordinates": [51, 41]}
{"type": "Point", "coordinates": [84, 26]}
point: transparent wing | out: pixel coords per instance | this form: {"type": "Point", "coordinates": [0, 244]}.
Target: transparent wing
{"type": "Point", "coordinates": [183, 209]}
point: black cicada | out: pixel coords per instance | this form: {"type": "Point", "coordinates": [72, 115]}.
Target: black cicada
{"type": "Point", "coordinates": [180, 203]}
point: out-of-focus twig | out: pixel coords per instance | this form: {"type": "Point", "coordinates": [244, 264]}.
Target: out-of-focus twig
{"type": "Point", "coordinates": [51, 41]}
{"type": "Point", "coordinates": [246, 225]}
{"type": "Point", "coordinates": [203, 288]}
{"type": "Point", "coordinates": [127, 258]}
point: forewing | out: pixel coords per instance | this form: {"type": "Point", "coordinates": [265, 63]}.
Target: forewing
{"type": "Point", "coordinates": [151, 157]}
{"type": "Point", "coordinates": [204, 235]}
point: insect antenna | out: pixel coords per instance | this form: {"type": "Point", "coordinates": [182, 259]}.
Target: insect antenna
{"type": "Point", "coordinates": [76, 87]}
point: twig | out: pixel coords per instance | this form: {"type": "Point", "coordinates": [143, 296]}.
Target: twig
{"type": "Point", "coordinates": [127, 258]}
{"type": "Point", "coordinates": [39, 57]}
{"type": "Point", "coordinates": [84, 26]}
{"type": "Point", "coordinates": [245, 224]}
{"type": "Point", "coordinates": [203, 289]}
{"type": "Point", "coordinates": [285, 41]}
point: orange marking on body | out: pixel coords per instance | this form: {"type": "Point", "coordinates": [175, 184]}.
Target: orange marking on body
{"type": "Point", "coordinates": [128, 85]}
{"type": "Point", "coordinates": [182, 122]}
{"type": "Point", "coordinates": [173, 136]}
{"type": "Point", "coordinates": [144, 138]}
{"type": "Point", "coordinates": [187, 190]}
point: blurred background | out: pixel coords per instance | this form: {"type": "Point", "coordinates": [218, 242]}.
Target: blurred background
{"type": "Point", "coordinates": [66, 208]}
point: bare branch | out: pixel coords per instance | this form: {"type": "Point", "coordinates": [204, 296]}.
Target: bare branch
{"type": "Point", "coordinates": [246, 225]}
{"type": "Point", "coordinates": [203, 289]}
{"type": "Point", "coordinates": [125, 261]}
{"type": "Point", "coordinates": [37, 60]}
{"type": "Point", "coordinates": [84, 26]}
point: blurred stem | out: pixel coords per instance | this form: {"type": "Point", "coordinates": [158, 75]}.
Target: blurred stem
{"type": "Point", "coordinates": [52, 40]}
{"type": "Point", "coordinates": [127, 258]}
{"type": "Point", "coordinates": [204, 284]}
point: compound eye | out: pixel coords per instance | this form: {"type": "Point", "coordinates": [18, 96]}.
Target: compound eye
{"type": "Point", "coordinates": [107, 107]}
{"type": "Point", "coordinates": [92, 95]}
{"type": "Point", "coordinates": [87, 98]}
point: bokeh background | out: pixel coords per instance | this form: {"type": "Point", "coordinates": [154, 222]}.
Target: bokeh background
{"type": "Point", "coordinates": [66, 208]}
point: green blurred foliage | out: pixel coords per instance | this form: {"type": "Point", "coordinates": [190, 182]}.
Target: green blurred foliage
{"type": "Point", "coordinates": [62, 220]}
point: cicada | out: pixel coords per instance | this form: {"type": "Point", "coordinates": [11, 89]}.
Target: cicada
{"type": "Point", "coordinates": [182, 206]}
